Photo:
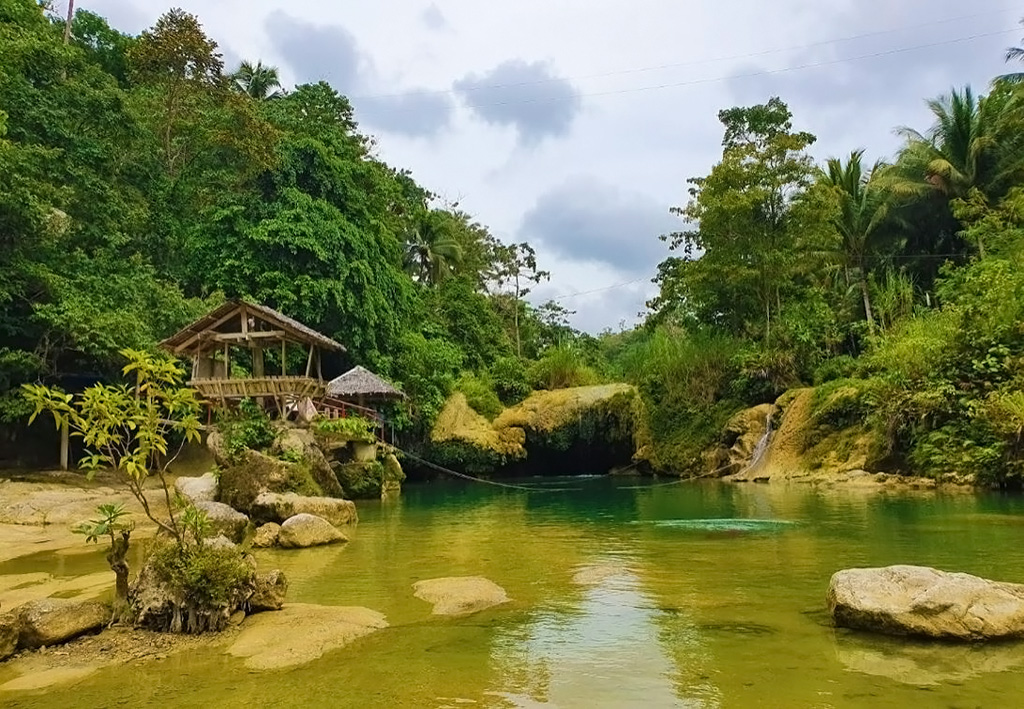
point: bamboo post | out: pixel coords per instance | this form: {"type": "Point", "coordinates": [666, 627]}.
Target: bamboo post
{"type": "Point", "coordinates": [227, 361]}
{"type": "Point", "coordinates": [64, 446]}
{"type": "Point", "coordinates": [319, 364]}
{"type": "Point", "coordinates": [309, 361]}
{"type": "Point", "coordinates": [284, 356]}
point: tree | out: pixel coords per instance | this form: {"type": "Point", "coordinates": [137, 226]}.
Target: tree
{"type": "Point", "coordinates": [863, 218]}
{"type": "Point", "coordinates": [517, 268]}
{"type": "Point", "coordinates": [257, 81]}
{"type": "Point", "coordinates": [739, 258]}
{"type": "Point", "coordinates": [432, 250]}
{"type": "Point", "coordinates": [1014, 54]}
{"type": "Point", "coordinates": [111, 524]}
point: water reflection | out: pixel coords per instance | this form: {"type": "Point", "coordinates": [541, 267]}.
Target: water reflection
{"type": "Point", "coordinates": [608, 648]}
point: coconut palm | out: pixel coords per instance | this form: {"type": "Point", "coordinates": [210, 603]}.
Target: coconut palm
{"type": "Point", "coordinates": [431, 250]}
{"type": "Point", "coordinates": [257, 81]}
{"type": "Point", "coordinates": [865, 215]}
{"type": "Point", "coordinates": [1014, 54]}
{"type": "Point", "coordinates": [968, 147]}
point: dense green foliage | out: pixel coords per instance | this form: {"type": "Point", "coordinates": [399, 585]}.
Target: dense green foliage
{"type": "Point", "coordinates": [142, 181]}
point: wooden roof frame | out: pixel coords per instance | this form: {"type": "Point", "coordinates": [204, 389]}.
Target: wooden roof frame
{"type": "Point", "coordinates": [203, 334]}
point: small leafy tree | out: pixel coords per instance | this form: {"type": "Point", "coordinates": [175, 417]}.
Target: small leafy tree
{"type": "Point", "coordinates": [130, 429]}
{"type": "Point", "coordinates": [110, 523]}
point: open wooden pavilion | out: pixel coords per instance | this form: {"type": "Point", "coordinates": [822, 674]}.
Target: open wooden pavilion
{"type": "Point", "coordinates": [213, 340]}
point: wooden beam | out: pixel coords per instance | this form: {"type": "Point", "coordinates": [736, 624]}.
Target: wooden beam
{"type": "Point", "coordinates": [319, 364]}
{"type": "Point", "coordinates": [309, 360]}
{"type": "Point", "coordinates": [284, 357]}
{"type": "Point", "coordinates": [184, 345]}
{"type": "Point", "coordinates": [227, 362]}
{"type": "Point", "coordinates": [64, 446]}
{"type": "Point", "coordinates": [244, 317]}
{"type": "Point", "coordinates": [242, 336]}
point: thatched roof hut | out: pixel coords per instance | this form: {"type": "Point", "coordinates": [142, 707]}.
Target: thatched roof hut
{"type": "Point", "coordinates": [361, 385]}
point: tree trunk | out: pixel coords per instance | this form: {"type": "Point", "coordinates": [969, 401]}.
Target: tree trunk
{"type": "Point", "coordinates": [67, 25]}
{"type": "Point", "coordinates": [866, 293]}
{"type": "Point", "coordinates": [116, 557]}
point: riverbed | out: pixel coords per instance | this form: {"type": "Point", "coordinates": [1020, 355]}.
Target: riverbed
{"type": "Point", "coordinates": [624, 593]}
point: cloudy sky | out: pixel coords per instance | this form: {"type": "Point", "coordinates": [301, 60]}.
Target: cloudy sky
{"type": "Point", "coordinates": [574, 124]}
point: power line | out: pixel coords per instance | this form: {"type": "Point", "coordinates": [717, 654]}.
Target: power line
{"type": "Point", "coordinates": [599, 290]}
{"type": "Point", "coordinates": [701, 62]}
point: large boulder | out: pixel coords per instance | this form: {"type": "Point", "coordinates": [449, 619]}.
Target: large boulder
{"type": "Point", "coordinates": [306, 530]}
{"type": "Point", "coordinates": [10, 627]}
{"type": "Point", "coordinates": [460, 595]}
{"type": "Point", "coordinates": [277, 507]}
{"type": "Point", "coordinates": [300, 633]}
{"type": "Point", "coordinates": [195, 490]}
{"type": "Point", "coordinates": [924, 602]}
{"type": "Point", "coordinates": [301, 444]}
{"type": "Point", "coordinates": [224, 520]}
{"type": "Point", "coordinates": [56, 620]}
{"type": "Point", "coordinates": [266, 535]}
{"type": "Point", "coordinates": [271, 588]}
{"type": "Point", "coordinates": [248, 473]}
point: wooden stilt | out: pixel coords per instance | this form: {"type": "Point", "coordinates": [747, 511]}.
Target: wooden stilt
{"type": "Point", "coordinates": [309, 361]}
{"type": "Point", "coordinates": [284, 356]}
{"type": "Point", "coordinates": [64, 446]}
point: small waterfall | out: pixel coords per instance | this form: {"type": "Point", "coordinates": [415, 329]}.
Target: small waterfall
{"type": "Point", "coordinates": [762, 445]}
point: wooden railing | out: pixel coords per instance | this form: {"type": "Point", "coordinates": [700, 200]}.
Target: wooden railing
{"type": "Point", "coordinates": [275, 387]}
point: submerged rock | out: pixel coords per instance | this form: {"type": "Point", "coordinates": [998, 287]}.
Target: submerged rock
{"type": "Point", "coordinates": [9, 630]}
{"type": "Point", "coordinates": [224, 520]}
{"type": "Point", "coordinates": [195, 490]}
{"type": "Point", "coordinates": [300, 633]}
{"type": "Point", "coordinates": [47, 678]}
{"type": "Point", "coordinates": [306, 530]}
{"type": "Point", "coordinates": [460, 595]}
{"type": "Point", "coordinates": [925, 602]}
{"type": "Point", "coordinates": [55, 620]}
{"type": "Point", "coordinates": [266, 535]}
{"type": "Point", "coordinates": [278, 507]}
{"type": "Point", "coordinates": [271, 589]}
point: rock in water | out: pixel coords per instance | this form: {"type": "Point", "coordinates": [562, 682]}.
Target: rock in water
{"type": "Point", "coordinates": [225, 520]}
{"type": "Point", "coordinates": [266, 535]}
{"type": "Point", "coordinates": [271, 588]}
{"type": "Point", "coordinates": [9, 629]}
{"type": "Point", "coordinates": [300, 633]}
{"type": "Point", "coordinates": [201, 489]}
{"type": "Point", "coordinates": [55, 620]}
{"type": "Point", "coordinates": [924, 602]}
{"type": "Point", "coordinates": [460, 595]}
{"type": "Point", "coordinates": [305, 530]}
{"type": "Point", "coordinates": [277, 507]}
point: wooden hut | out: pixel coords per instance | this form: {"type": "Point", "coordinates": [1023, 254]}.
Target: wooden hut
{"type": "Point", "coordinates": [363, 388]}
{"type": "Point", "coordinates": [213, 340]}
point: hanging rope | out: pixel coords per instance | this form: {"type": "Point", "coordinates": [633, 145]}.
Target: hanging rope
{"type": "Point", "coordinates": [464, 476]}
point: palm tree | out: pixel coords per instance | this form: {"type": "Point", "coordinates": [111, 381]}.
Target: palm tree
{"type": "Point", "coordinates": [431, 250]}
{"type": "Point", "coordinates": [968, 147]}
{"type": "Point", "coordinates": [865, 209]}
{"type": "Point", "coordinates": [1014, 54]}
{"type": "Point", "coordinates": [257, 81]}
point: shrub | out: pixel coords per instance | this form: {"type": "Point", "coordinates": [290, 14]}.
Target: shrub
{"type": "Point", "coordinates": [247, 427]}
{"type": "Point", "coordinates": [508, 375]}
{"type": "Point", "coordinates": [480, 394]}
{"type": "Point", "coordinates": [350, 428]}
{"type": "Point", "coordinates": [561, 367]}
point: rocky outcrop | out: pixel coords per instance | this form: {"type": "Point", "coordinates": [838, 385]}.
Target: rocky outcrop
{"type": "Point", "coordinates": [394, 476]}
{"type": "Point", "coordinates": [270, 592]}
{"type": "Point", "coordinates": [266, 535]}
{"type": "Point", "coordinates": [581, 429]}
{"type": "Point", "coordinates": [9, 630]}
{"type": "Point", "coordinates": [742, 441]}
{"type": "Point", "coordinates": [224, 520]}
{"type": "Point", "coordinates": [195, 490]}
{"type": "Point", "coordinates": [278, 507]}
{"type": "Point", "coordinates": [460, 595]}
{"type": "Point", "coordinates": [55, 620]}
{"type": "Point", "coordinates": [306, 530]}
{"type": "Point", "coordinates": [300, 633]}
{"type": "Point", "coordinates": [249, 473]}
{"type": "Point", "coordinates": [924, 602]}
{"type": "Point", "coordinates": [301, 444]}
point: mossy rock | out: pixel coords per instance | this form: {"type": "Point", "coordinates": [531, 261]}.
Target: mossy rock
{"type": "Point", "coordinates": [394, 476]}
{"type": "Point", "coordinates": [463, 439]}
{"type": "Point", "coordinates": [362, 480]}
{"type": "Point", "coordinates": [243, 481]}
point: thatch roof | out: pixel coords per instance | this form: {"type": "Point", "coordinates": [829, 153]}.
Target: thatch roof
{"type": "Point", "coordinates": [224, 314]}
{"type": "Point", "coordinates": [360, 381]}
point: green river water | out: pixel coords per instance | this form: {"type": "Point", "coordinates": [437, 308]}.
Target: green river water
{"type": "Point", "coordinates": [625, 594]}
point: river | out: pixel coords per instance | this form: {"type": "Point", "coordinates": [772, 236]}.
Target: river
{"type": "Point", "coordinates": [625, 593]}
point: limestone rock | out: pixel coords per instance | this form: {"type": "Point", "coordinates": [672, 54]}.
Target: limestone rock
{"type": "Point", "coordinates": [220, 542]}
{"type": "Point", "coordinates": [9, 629]}
{"type": "Point", "coordinates": [300, 633]}
{"type": "Point", "coordinates": [460, 595]}
{"type": "Point", "coordinates": [925, 602]}
{"type": "Point", "coordinates": [249, 473]}
{"type": "Point", "coordinates": [277, 507]}
{"type": "Point", "coordinates": [266, 535]}
{"type": "Point", "coordinates": [301, 443]}
{"type": "Point", "coordinates": [394, 476]}
{"type": "Point", "coordinates": [225, 520]}
{"type": "Point", "coordinates": [362, 481]}
{"type": "Point", "coordinates": [271, 589]}
{"type": "Point", "coordinates": [55, 620]}
{"type": "Point", "coordinates": [201, 489]}
{"type": "Point", "coordinates": [306, 530]}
